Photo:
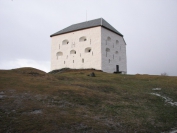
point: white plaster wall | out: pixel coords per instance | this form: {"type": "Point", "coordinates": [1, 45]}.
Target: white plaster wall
{"type": "Point", "coordinates": [118, 59]}
{"type": "Point", "coordinates": [91, 60]}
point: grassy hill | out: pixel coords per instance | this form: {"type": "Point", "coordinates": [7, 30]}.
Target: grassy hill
{"type": "Point", "coordinates": [70, 101]}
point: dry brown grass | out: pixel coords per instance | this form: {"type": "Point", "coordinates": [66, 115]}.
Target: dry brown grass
{"type": "Point", "coordinates": [71, 101]}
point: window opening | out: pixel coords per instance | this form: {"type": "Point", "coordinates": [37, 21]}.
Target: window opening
{"type": "Point", "coordinates": [59, 54]}
{"type": "Point", "coordinates": [88, 50]}
{"type": "Point", "coordinates": [113, 56]}
{"type": "Point", "coordinates": [73, 61]}
{"type": "Point", "coordinates": [64, 62]}
{"type": "Point", "coordinates": [117, 42]}
{"type": "Point", "coordinates": [108, 38]}
{"type": "Point", "coordinates": [107, 50]}
{"type": "Point", "coordinates": [82, 39]}
{"type": "Point", "coordinates": [65, 42]}
{"type": "Point", "coordinates": [73, 52]}
{"type": "Point", "coordinates": [92, 52]}
{"type": "Point", "coordinates": [109, 60]}
{"type": "Point", "coordinates": [82, 60]}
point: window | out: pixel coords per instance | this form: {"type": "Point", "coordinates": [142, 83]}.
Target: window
{"type": "Point", "coordinates": [64, 62]}
{"type": "Point", "coordinates": [92, 52]}
{"type": "Point", "coordinates": [59, 54]}
{"type": "Point", "coordinates": [73, 61]}
{"type": "Point", "coordinates": [73, 52]}
{"type": "Point", "coordinates": [117, 42]}
{"type": "Point", "coordinates": [65, 42]}
{"type": "Point", "coordinates": [109, 60]}
{"type": "Point", "coordinates": [119, 58]}
{"type": "Point", "coordinates": [113, 56]}
{"type": "Point", "coordinates": [108, 38]}
{"type": "Point", "coordinates": [82, 39]}
{"type": "Point", "coordinates": [82, 60]}
{"type": "Point", "coordinates": [88, 50]}
{"type": "Point", "coordinates": [59, 46]}
{"type": "Point", "coordinates": [116, 52]}
{"type": "Point", "coordinates": [107, 50]}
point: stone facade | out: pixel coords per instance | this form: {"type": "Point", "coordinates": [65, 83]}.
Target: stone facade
{"type": "Point", "coordinates": [96, 47]}
{"type": "Point", "coordinates": [113, 55]}
{"type": "Point", "coordinates": [82, 51]}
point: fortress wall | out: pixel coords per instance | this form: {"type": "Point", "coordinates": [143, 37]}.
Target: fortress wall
{"type": "Point", "coordinates": [113, 49]}
{"type": "Point", "coordinates": [82, 59]}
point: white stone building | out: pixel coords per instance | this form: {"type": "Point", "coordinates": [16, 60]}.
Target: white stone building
{"type": "Point", "coordinates": [91, 44]}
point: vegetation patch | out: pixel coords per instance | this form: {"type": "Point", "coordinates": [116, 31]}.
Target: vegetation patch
{"type": "Point", "coordinates": [70, 101]}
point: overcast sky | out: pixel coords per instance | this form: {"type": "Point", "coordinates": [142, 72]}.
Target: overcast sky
{"type": "Point", "coordinates": [149, 28]}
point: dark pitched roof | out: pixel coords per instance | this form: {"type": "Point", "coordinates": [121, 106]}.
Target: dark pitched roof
{"type": "Point", "coordinates": [88, 24]}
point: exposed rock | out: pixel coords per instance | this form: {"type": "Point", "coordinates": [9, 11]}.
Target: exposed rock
{"type": "Point", "coordinates": [91, 74]}
{"type": "Point", "coordinates": [1, 93]}
{"type": "Point", "coordinates": [156, 89]}
{"type": "Point", "coordinates": [36, 112]}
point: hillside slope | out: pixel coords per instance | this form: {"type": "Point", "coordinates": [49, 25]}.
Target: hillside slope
{"type": "Point", "coordinates": [71, 101]}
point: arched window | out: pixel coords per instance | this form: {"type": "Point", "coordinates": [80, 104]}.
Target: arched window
{"type": "Point", "coordinates": [107, 50]}
{"type": "Point", "coordinates": [65, 42]}
{"type": "Point", "coordinates": [59, 54]}
{"type": "Point", "coordinates": [117, 42]}
{"type": "Point", "coordinates": [108, 38]}
{"type": "Point", "coordinates": [88, 50]}
{"type": "Point", "coordinates": [82, 39]}
{"type": "Point", "coordinates": [73, 52]}
{"type": "Point", "coordinates": [116, 52]}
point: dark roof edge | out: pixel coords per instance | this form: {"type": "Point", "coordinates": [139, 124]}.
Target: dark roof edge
{"type": "Point", "coordinates": [112, 31]}
{"type": "Point", "coordinates": [72, 31]}
{"type": "Point", "coordinates": [87, 28]}
{"type": "Point", "coordinates": [124, 41]}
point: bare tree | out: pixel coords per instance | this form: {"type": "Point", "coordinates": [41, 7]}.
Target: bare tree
{"type": "Point", "coordinates": [164, 74]}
